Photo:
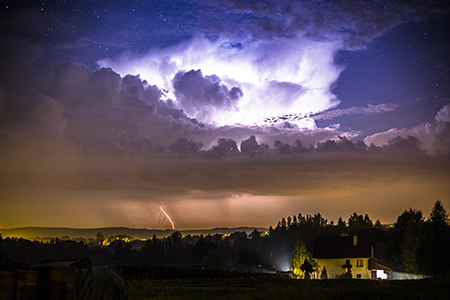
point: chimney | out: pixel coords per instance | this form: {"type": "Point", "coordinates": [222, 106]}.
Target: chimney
{"type": "Point", "coordinates": [355, 240]}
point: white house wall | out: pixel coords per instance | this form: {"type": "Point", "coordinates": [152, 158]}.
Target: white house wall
{"type": "Point", "coordinates": [334, 267]}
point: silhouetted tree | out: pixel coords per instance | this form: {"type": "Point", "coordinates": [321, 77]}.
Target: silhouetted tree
{"type": "Point", "coordinates": [357, 224]}
{"type": "Point", "coordinates": [201, 249]}
{"type": "Point", "coordinates": [153, 251]}
{"type": "Point", "coordinates": [175, 250]}
{"type": "Point", "coordinates": [342, 226]}
{"type": "Point", "coordinates": [399, 238]}
{"type": "Point", "coordinates": [99, 237]}
{"type": "Point", "coordinates": [438, 215]}
{"type": "Point", "coordinates": [307, 268]}
{"type": "Point", "coordinates": [438, 236]}
{"type": "Point", "coordinates": [411, 246]}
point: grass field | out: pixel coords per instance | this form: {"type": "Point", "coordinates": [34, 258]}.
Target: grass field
{"type": "Point", "coordinates": [274, 289]}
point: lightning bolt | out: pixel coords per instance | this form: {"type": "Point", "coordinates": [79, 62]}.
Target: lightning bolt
{"type": "Point", "coordinates": [168, 218]}
{"type": "Point", "coordinates": [161, 218]}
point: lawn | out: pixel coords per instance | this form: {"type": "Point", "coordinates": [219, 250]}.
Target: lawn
{"type": "Point", "coordinates": [274, 289]}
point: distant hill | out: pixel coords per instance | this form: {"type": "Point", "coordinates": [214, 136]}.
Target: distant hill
{"type": "Point", "coordinates": [137, 233]}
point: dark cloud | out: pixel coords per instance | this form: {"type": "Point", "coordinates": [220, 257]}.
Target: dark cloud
{"type": "Point", "coordinates": [225, 148]}
{"type": "Point", "coordinates": [299, 148]}
{"type": "Point", "coordinates": [168, 22]}
{"type": "Point", "coordinates": [327, 146]}
{"type": "Point", "coordinates": [247, 146]}
{"type": "Point", "coordinates": [44, 116]}
{"type": "Point", "coordinates": [356, 23]}
{"type": "Point", "coordinates": [281, 149]}
{"type": "Point", "coordinates": [402, 146]}
{"type": "Point", "coordinates": [186, 146]}
{"type": "Point", "coordinates": [198, 95]}
{"type": "Point", "coordinates": [18, 59]}
{"type": "Point", "coordinates": [102, 113]}
{"type": "Point", "coordinates": [250, 147]}
{"type": "Point", "coordinates": [341, 145]}
{"type": "Point", "coordinates": [139, 93]}
{"type": "Point", "coordinates": [99, 112]}
{"type": "Point", "coordinates": [77, 88]}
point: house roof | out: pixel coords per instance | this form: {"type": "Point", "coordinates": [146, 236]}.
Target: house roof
{"type": "Point", "coordinates": [342, 247]}
{"type": "Point", "coordinates": [378, 265]}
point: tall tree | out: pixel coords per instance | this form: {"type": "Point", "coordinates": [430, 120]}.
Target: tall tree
{"type": "Point", "coordinates": [438, 241]}
{"type": "Point", "coordinates": [438, 214]}
{"type": "Point", "coordinates": [408, 218]}
{"type": "Point", "coordinates": [413, 242]}
{"type": "Point", "coordinates": [359, 224]}
{"type": "Point", "coordinates": [300, 255]}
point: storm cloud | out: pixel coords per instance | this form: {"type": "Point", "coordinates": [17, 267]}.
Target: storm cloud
{"type": "Point", "coordinates": [200, 96]}
{"type": "Point", "coordinates": [432, 137]}
{"type": "Point", "coordinates": [225, 112]}
{"type": "Point", "coordinates": [281, 56]}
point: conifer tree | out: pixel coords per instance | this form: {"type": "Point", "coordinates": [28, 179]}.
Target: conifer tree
{"type": "Point", "coordinates": [300, 255]}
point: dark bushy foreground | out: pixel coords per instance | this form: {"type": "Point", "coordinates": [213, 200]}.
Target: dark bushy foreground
{"type": "Point", "coordinates": [280, 289]}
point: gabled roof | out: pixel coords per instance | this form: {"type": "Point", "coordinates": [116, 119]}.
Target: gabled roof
{"type": "Point", "coordinates": [378, 265]}
{"type": "Point", "coordinates": [342, 247]}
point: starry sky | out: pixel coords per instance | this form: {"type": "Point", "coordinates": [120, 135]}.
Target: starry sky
{"type": "Point", "coordinates": [223, 112]}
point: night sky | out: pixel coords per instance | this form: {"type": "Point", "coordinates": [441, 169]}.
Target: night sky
{"type": "Point", "coordinates": [224, 113]}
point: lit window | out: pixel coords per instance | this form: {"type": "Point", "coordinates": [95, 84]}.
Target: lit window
{"type": "Point", "coordinates": [360, 263]}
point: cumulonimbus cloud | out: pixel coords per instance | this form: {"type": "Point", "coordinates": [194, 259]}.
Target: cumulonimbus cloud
{"type": "Point", "coordinates": [274, 76]}
{"type": "Point", "coordinates": [281, 56]}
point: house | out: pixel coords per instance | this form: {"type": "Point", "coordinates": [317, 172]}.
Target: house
{"type": "Point", "coordinates": [348, 257]}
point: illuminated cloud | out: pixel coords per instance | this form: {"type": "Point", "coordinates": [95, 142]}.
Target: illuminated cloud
{"type": "Point", "coordinates": [333, 113]}
{"type": "Point", "coordinates": [273, 76]}
{"type": "Point", "coordinates": [281, 55]}
{"type": "Point", "coordinates": [370, 109]}
{"type": "Point", "coordinates": [105, 114]}
{"type": "Point", "coordinates": [201, 97]}
{"type": "Point", "coordinates": [432, 137]}
{"type": "Point", "coordinates": [224, 112]}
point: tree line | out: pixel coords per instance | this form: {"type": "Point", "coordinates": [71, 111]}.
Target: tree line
{"type": "Point", "coordinates": [412, 244]}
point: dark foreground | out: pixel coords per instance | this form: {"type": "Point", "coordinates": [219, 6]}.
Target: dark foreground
{"type": "Point", "coordinates": [274, 289]}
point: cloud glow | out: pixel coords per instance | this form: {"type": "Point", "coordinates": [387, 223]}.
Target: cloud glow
{"type": "Point", "coordinates": [276, 77]}
{"type": "Point", "coordinates": [243, 111]}
{"type": "Point", "coordinates": [433, 136]}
